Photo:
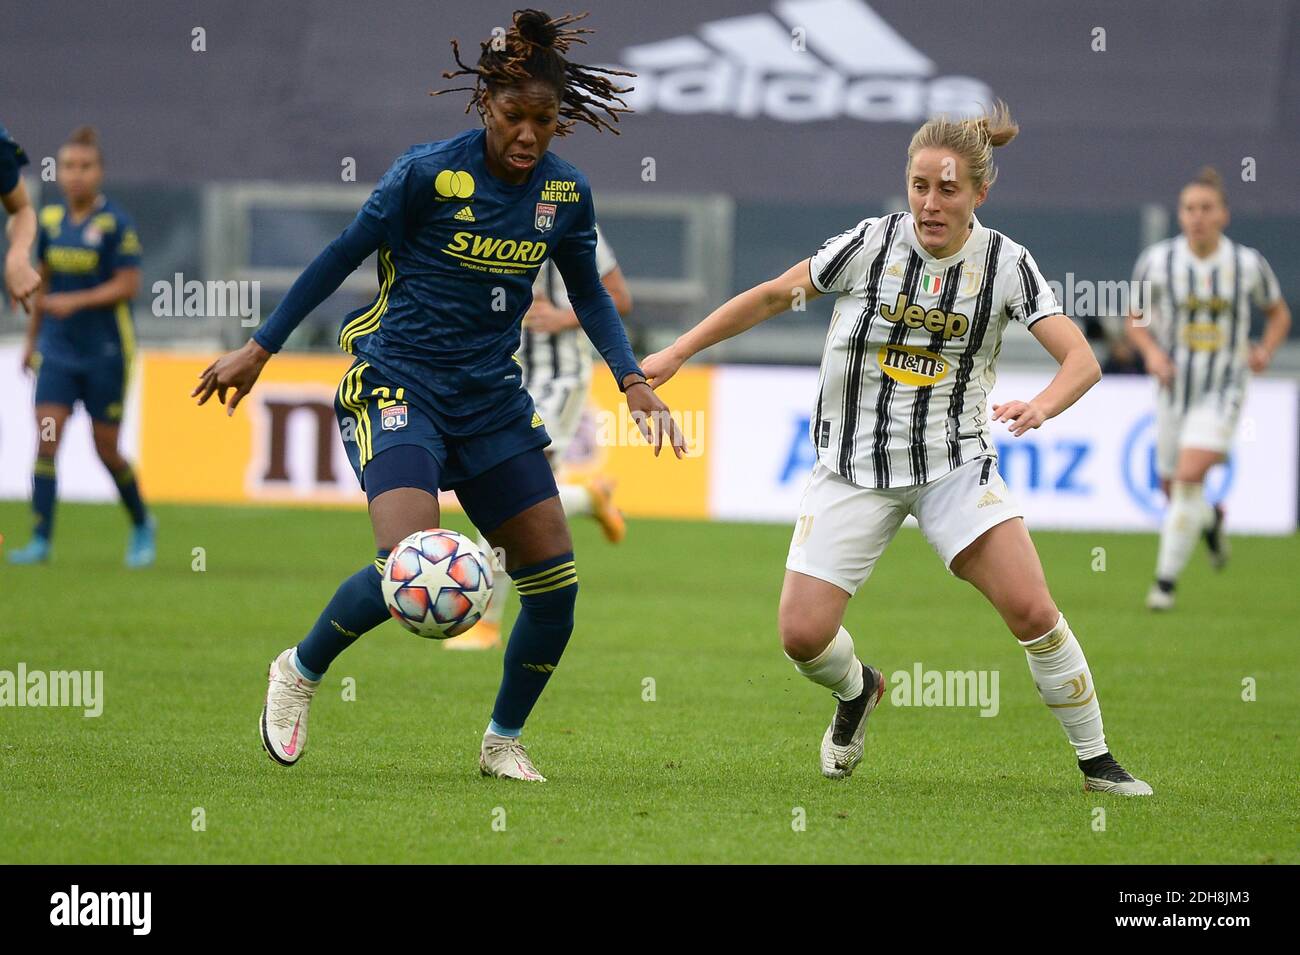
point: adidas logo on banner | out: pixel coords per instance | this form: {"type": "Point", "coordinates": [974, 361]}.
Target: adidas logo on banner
{"type": "Point", "coordinates": [465, 215]}
{"type": "Point", "coordinates": [811, 60]}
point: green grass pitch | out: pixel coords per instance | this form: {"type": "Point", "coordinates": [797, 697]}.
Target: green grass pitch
{"type": "Point", "coordinates": [720, 766]}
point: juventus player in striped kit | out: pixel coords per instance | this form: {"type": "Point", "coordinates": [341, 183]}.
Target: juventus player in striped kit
{"type": "Point", "coordinates": [900, 427]}
{"type": "Point", "coordinates": [557, 372]}
{"type": "Point", "coordinates": [1194, 335]}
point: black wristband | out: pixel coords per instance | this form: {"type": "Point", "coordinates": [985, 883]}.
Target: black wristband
{"type": "Point", "coordinates": [641, 380]}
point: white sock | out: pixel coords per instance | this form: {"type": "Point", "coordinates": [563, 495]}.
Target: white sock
{"type": "Point", "coordinates": [1060, 673]}
{"type": "Point", "coordinates": [496, 608]}
{"type": "Point", "coordinates": [837, 667]}
{"type": "Point", "coordinates": [576, 500]}
{"type": "Point", "coordinates": [1188, 514]}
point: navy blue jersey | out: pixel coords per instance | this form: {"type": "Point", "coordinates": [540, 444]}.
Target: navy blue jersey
{"type": "Point", "coordinates": [80, 256]}
{"type": "Point", "coordinates": [459, 252]}
{"type": "Point", "coordinates": [12, 158]}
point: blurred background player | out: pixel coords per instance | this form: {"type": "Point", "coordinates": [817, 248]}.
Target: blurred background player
{"type": "Point", "coordinates": [901, 427]}
{"type": "Point", "coordinates": [557, 372]}
{"type": "Point", "coordinates": [80, 338]}
{"type": "Point", "coordinates": [21, 280]}
{"type": "Point", "coordinates": [1194, 337]}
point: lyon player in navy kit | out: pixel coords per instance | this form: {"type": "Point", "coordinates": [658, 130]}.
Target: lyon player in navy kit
{"type": "Point", "coordinates": [80, 340]}
{"type": "Point", "coordinates": [461, 227]}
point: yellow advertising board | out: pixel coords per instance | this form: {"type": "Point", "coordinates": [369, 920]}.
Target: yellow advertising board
{"type": "Point", "coordinates": [282, 444]}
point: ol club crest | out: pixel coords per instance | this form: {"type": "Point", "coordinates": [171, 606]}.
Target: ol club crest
{"type": "Point", "coordinates": [393, 417]}
{"type": "Point", "coordinates": [545, 219]}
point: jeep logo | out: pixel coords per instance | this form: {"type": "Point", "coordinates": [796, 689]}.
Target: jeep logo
{"type": "Point", "coordinates": [952, 324]}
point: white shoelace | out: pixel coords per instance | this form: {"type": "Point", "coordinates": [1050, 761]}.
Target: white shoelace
{"type": "Point", "coordinates": [510, 746]}
{"type": "Point", "coordinates": [288, 701]}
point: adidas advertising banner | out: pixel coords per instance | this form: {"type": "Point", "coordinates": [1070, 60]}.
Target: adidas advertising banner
{"type": "Point", "coordinates": [1092, 467]}
{"type": "Point", "coordinates": [765, 100]}
{"type": "Point", "coordinates": [747, 426]}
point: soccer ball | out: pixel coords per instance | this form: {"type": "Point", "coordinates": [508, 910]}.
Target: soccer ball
{"type": "Point", "coordinates": [437, 583]}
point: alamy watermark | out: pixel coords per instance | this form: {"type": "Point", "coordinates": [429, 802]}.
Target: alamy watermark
{"type": "Point", "coordinates": [618, 429]}
{"type": "Point", "coordinates": [1089, 298]}
{"type": "Point", "coordinates": [75, 907]}
{"type": "Point", "coordinates": [179, 298]}
{"type": "Point", "coordinates": [76, 688]}
{"type": "Point", "coordinates": [922, 687]}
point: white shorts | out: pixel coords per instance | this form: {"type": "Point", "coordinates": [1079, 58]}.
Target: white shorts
{"type": "Point", "coordinates": [843, 529]}
{"type": "Point", "coordinates": [560, 402]}
{"type": "Point", "coordinates": [1209, 423]}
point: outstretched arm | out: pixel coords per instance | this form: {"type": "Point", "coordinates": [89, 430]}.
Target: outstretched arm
{"type": "Point", "coordinates": [550, 317]}
{"type": "Point", "coordinates": [21, 279]}
{"type": "Point", "coordinates": [1079, 371]}
{"type": "Point", "coordinates": [600, 320]}
{"type": "Point", "coordinates": [736, 315]}
{"type": "Point", "coordinates": [319, 281]}
{"type": "Point", "coordinates": [239, 370]}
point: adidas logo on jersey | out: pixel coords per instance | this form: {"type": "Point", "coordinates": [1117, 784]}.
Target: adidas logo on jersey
{"type": "Point", "coordinates": [809, 60]}
{"type": "Point", "coordinates": [988, 500]}
{"type": "Point", "coordinates": [465, 215]}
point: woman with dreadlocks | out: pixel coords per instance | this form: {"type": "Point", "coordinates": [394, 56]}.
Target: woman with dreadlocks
{"type": "Point", "coordinates": [434, 399]}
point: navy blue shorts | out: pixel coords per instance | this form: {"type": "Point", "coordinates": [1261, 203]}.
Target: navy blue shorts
{"type": "Point", "coordinates": [99, 385]}
{"type": "Point", "coordinates": [375, 415]}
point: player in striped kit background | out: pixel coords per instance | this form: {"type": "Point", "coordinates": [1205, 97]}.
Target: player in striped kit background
{"type": "Point", "coordinates": [556, 358]}
{"type": "Point", "coordinates": [1194, 335]}
{"type": "Point", "coordinates": [900, 427]}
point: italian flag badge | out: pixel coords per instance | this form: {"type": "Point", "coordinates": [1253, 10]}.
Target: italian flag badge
{"type": "Point", "coordinates": [930, 283]}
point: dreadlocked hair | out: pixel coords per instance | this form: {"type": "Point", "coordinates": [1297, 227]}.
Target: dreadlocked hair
{"type": "Point", "coordinates": [533, 50]}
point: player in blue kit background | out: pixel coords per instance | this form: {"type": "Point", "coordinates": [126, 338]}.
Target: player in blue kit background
{"type": "Point", "coordinates": [21, 280]}
{"type": "Point", "coordinates": [80, 340]}
{"type": "Point", "coordinates": [435, 398]}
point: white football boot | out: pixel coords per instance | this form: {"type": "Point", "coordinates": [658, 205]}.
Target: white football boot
{"type": "Point", "coordinates": [284, 715]}
{"type": "Point", "coordinates": [1104, 775]}
{"type": "Point", "coordinates": [1160, 599]}
{"type": "Point", "coordinates": [845, 738]}
{"type": "Point", "coordinates": [505, 758]}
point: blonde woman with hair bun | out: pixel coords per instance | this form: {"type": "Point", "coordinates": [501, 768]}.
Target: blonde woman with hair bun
{"type": "Point", "coordinates": [901, 427]}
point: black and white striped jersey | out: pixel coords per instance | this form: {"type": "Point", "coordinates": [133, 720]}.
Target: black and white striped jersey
{"type": "Point", "coordinates": [1199, 310]}
{"type": "Point", "coordinates": [565, 354]}
{"type": "Point", "coordinates": [912, 347]}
